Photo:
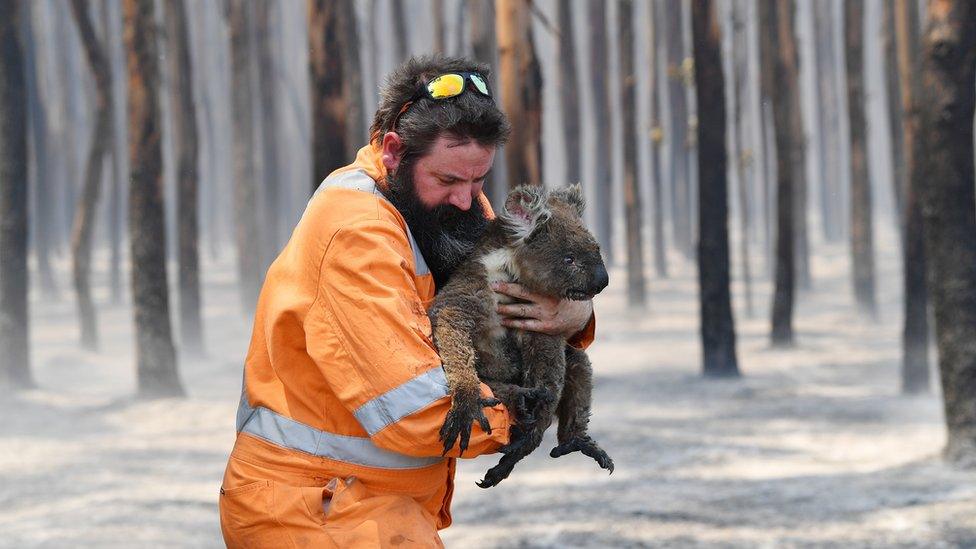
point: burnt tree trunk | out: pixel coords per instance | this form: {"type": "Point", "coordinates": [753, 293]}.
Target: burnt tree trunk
{"type": "Point", "coordinates": [945, 146]}
{"type": "Point", "coordinates": [680, 178]}
{"type": "Point", "coordinates": [113, 153]}
{"type": "Point", "coordinates": [568, 91]}
{"type": "Point", "coordinates": [657, 138]}
{"type": "Point", "coordinates": [14, 282]}
{"type": "Point", "coordinates": [187, 175]}
{"type": "Point", "coordinates": [481, 22]}
{"type": "Point", "coordinates": [895, 115]}
{"type": "Point", "coordinates": [246, 232]}
{"type": "Point", "coordinates": [437, 13]}
{"type": "Point", "coordinates": [829, 118]}
{"type": "Point", "coordinates": [781, 52]}
{"type": "Point", "coordinates": [717, 325]}
{"type": "Point", "coordinates": [400, 37]}
{"type": "Point", "coordinates": [156, 358]}
{"type": "Point", "coordinates": [352, 82]}
{"type": "Point", "coordinates": [915, 333]}
{"type": "Point", "coordinates": [268, 181]}
{"type": "Point", "coordinates": [520, 80]}
{"type": "Point", "coordinates": [600, 88]}
{"type": "Point", "coordinates": [740, 71]}
{"type": "Point", "coordinates": [327, 99]}
{"type": "Point", "coordinates": [862, 245]}
{"type": "Point", "coordinates": [636, 292]}
{"type": "Point", "coordinates": [84, 220]}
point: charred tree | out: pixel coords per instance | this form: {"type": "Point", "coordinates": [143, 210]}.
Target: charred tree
{"type": "Point", "coordinates": [828, 110]}
{"type": "Point", "coordinates": [14, 282]}
{"type": "Point", "coordinates": [270, 173]}
{"type": "Point", "coordinates": [657, 138]}
{"type": "Point", "coordinates": [915, 333]}
{"type": "Point", "coordinates": [246, 232]}
{"type": "Point", "coordinates": [948, 191]}
{"type": "Point", "coordinates": [114, 143]}
{"type": "Point", "coordinates": [156, 358]}
{"type": "Point", "coordinates": [783, 54]}
{"type": "Point", "coordinates": [327, 99]}
{"type": "Point", "coordinates": [600, 87]}
{"type": "Point", "coordinates": [352, 83]}
{"type": "Point", "coordinates": [895, 115]}
{"type": "Point", "coordinates": [862, 244]}
{"type": "Point", "coordinates": [520, 80]}
{"type": "Point", "coordinates": [481, 23]}
{"type": "Point", "coordinates": [717, 325]}
{"type": "Point", "coordinates": [636, 293]}
{"type": "Point", "coordinates": [568, 87]}
{"type": "Point", "coordinates": [740, 71]}
{"type": "Point", "coordinates": [400, 37]}
{"type": "Point", "coordinates": [679, 142]}
{"type": "Point", "coordinates": [187, 175]}
{"type": "Point", "coordinates": [84, 220]}
{"type": "Point", "coordinates": [437, 12]}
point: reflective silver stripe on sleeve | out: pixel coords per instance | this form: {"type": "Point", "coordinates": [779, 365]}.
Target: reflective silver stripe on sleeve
{"type": "Point", "coordinates": [288, 433]}
{"type": "Point", "coordinates": [358, 180]}
{"type": "Point", "coordinates": [399, 402]}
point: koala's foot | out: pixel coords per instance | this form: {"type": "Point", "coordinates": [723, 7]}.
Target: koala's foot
{"type": "Point", "coordinates": [464, 412]}
{"type": "Point", "coordinates": [528, 401]}
{"type": "Point", "coordinates": [499, 472]}
{"type": "Point", "coordinates": [587, 447]}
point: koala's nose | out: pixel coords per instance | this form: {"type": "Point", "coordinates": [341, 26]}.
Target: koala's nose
{"type": "Point", "coordinates": [601, 279]}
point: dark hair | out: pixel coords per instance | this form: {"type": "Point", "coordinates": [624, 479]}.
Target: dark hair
{"type": "Point", "coordinates": [467, 116]}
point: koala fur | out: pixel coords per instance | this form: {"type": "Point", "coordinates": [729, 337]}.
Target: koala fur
{"type": "Point", "coordinates": [540, 242]}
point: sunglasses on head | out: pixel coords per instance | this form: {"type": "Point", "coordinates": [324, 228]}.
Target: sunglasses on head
{"type": "Point", "coordinates": [445, 86]}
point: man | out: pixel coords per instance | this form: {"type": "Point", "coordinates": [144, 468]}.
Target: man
{"type": "Point", "coordinates": [344, 394]}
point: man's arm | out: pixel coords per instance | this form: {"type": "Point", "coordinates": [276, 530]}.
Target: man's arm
{"type": "Point", "coordinates": [388, 374]}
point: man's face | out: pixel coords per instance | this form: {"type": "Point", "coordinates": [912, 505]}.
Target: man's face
{"type": "Point", "coordinates": [452, 173]}
{"type": "Point", "coordinates": [437, 196]}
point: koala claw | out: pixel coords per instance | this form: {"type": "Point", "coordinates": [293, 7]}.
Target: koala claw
{"type": "Point", "coordinates": [496, 474]}
{"type": "Point", "coordinates": [459, 420]}
{"type": "Point", "coordinates": [587, 447]}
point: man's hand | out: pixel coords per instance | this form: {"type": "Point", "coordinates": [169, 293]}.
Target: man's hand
{"type": "Point", "coordinates": [543, 314]}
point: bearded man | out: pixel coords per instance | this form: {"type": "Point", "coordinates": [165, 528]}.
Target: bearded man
{"type": "Point", "coordinates": [344, 394]}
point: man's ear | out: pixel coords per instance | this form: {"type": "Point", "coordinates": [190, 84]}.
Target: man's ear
{"type": "Point", "coordinates": [526, 210]}
{"type": "Point", "coordinates": [573, 195]}
{"type": "Point", "coordinates": [392, 151]}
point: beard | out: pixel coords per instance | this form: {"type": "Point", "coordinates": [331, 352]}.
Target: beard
{"type": "Point", "coordinates": [445, 235]}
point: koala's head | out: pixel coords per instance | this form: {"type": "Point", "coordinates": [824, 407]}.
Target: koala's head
{"type": "Point", "coordinates": [553, 252]}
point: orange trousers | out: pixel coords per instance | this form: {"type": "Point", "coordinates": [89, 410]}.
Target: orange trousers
{"type": "Point", "coordinates": [270, 498]}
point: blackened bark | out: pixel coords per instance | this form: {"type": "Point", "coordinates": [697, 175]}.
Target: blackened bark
{"type": "Point", "coordinates": [600, 86]}
{"type": "Point", "coordinates": [481, 22]}
{"type": "Point", "coordinates": [945, 142]}
{"type": "Point", "coordinates": [400, 37]}
{"type": "Point", "coordinates": [113, 153]}
{"type": "Point", "coordinates": [680, 178]}
{"type": "Point", "coordinates": [352, 82]}
{"type": "Point", "coordinates": [520, 81]}
{"type": "Point", "coordinates": [657, 138]}
{"type": "Point", "coordinates": [156, 357]}
{"type": "Point", "coordinates": [717, 325]}
{"type": "Point", "coordinates": [740, 72]}
{"type": "Point", "coordinates": [568, 91]}
{"type": "Point", "coordinates": [829, 117]}
{"type": "Point", "coordinates": [327, 100]}
{"type": "Point", "coordinates": [14, 320]}
{"type": "Point", "coordinates": [636, 292]}
{"type": "Point", "coordinates": [895, 115]}
{"type": "Point", "coordinates": [437, 11]}
{"type": "Point", "coordinates": [187, 173]}
{"type": "Point", "coordinates": [862, 238]}
{"type": "Point", "coordinates": [781, 46]}
{"type": "Point", "coordinates": [84, 223]}
{"type": "Point", "coordinates": [268, 182]}
{"type": "Point", "coordinates": [246, 232]}
{"type": "Point", "coordinates": [915, 333]}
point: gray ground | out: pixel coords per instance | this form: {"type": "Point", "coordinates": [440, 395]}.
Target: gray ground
{"type": "Point", "coordinates": [813, 447]}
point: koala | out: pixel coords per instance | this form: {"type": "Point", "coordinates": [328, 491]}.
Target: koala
{"type": "Point", "coordinates": [540, 242]}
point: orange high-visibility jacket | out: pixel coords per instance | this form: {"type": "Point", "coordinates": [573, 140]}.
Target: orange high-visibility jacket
{"type": "Point", "coordinates": [342, 378]}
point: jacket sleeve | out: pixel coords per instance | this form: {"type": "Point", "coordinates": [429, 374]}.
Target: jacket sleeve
{"type": "Point", "coordinates": [585, 337]}
{"type": "Point", "coordinates": [369, 334]}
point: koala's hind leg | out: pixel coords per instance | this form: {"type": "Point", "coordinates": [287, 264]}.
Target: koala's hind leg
{"type": "Point", "coordinates": [524, 402]}
{"type": "Point", "coordinates": [574, 411]}
{"type": "Point", "coordinates": [452, 336]}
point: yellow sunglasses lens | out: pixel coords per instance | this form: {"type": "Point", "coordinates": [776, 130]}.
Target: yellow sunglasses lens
{"type": "Point", "coordinates": [447, 85]}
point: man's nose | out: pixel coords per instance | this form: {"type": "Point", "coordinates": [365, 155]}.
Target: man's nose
{"type": "Point", "coordinates": [461, 198]}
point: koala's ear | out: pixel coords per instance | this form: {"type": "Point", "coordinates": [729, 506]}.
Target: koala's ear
{"type": "Point", "coordinates": [573, 195]}
{"type": "Point", "coordinates": [525, 209]}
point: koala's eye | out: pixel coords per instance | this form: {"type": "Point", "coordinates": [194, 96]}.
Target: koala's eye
{"type": "Point", "coordinates": [569, 259]}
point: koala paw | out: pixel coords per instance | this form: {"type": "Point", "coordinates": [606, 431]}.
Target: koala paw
{"type": "Point", "coordinates": [464, 412]}
{"type": "Point", "coordinates": [528, 402]}
{"type": "Point", "coordinates": [587, 447]}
